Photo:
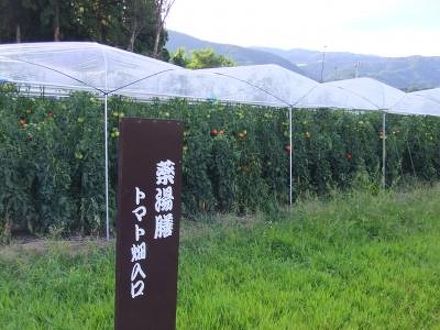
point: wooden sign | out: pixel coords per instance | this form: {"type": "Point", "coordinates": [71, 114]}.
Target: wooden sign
{"type": "Point", "coordinates": [149, 211]}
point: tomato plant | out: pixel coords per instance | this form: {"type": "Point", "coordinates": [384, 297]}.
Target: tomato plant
{"type": "Point", "coordinates": [235, 157]}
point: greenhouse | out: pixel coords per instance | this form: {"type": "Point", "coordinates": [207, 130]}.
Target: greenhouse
{"type": "Point", "coordinates": [59, 69]}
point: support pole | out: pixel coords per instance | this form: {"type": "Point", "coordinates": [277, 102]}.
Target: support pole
{"type": "Point", "coordinates": [107, 223]}
{"type": "Point", "coordinates": [384, 151]}
{"type": "Point", "coordinates": [290, 158]}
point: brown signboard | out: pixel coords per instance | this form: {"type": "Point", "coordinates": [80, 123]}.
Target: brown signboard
{"type": "Point", "coordinates": [149, 188]}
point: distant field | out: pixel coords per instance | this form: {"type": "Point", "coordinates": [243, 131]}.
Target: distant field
{"type": "Point", "coordinates": [357, 261]}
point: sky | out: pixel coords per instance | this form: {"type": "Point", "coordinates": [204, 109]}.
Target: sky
{"type": "Point", "coordinates": [380, 27]}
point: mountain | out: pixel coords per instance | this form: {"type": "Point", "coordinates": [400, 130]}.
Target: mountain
{"type": "Point", "coordinates": [407, 73]}
{"type": "Point", "coordinates": [240, 55]}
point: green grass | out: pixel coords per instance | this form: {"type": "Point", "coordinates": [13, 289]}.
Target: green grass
{"type": "Point", "coordinates": [356, 261]}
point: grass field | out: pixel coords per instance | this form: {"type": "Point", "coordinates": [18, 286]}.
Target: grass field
{"type": "Point", "coordinates": [355, 261]}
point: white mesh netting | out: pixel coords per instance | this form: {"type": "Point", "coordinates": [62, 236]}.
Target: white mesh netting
{"type": "Point", "coordinates": [106, 70]}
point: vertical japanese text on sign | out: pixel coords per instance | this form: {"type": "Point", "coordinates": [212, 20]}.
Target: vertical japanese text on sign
{"type": "Point", "coordinates": [163, 206]}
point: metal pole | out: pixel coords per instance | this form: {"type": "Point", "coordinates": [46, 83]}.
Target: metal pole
{"type": "Point", "coordinates": [290, 158]}
{"type": "Point", "coordinates": [107, 224]}
{"type": "Point", "coordinates": [384, 136]}
{"type": "Point", "coordinates": [322, 64]}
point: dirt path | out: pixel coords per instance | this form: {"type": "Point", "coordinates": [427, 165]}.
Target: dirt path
{"type": "Point", "coordinates": [31, 246]}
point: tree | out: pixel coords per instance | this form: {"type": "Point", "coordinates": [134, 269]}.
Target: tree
{"type": "Point", "coordinates": [199, 59]}
{"type": "Point", "coordinates": [50, 17]}
{"type": "Point", "coordinates": [56, 20]}
{"type": "Point", "coordinates": [136, 19]}
{"type": "Point", "coordinates": [17, 19]}
{"type": "Point", "coordinates": [135, 25]}
{"type": "Point", "coordinates": [207, 58]}
{"type": "Point", "coordinates": [162, 9]}
{"type": "Point", "coordinates": [180, 58]}
{"type": "Point", "coordinates": [140, 25]}
{"type": "Point", "coordinates": [101, 21]}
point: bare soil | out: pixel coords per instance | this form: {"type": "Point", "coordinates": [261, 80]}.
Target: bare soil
{"type": "Point", "coordinates": [30, 246]}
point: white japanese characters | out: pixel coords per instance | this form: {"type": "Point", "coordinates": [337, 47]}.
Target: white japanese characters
{"type": "Point", "coordinates": [139, 248]}
{"type": "Point", "coordinates": [163, 217]}
{"type": "Point", "coordinates": [138, 252]}
{"type": "Point", "coordinates": [164, 199]}
{"type": "Point", "coordinates": [164, 226]}
{"type": "Point", "coordinates": [165, 173]}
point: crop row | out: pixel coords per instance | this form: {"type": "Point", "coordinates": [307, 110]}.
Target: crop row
{"type": "Point", "coordinates": [235, 157]}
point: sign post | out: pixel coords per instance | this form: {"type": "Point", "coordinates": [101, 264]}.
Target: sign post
{"type": "Point", "coordinates": [149, 211]}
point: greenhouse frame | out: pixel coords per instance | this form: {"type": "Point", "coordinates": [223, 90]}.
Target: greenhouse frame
{"type": "Point", "coordinates": [63, 67]}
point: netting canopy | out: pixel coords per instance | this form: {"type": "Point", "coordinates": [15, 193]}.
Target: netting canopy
{"type": "Point", "coordinates": [285, 85]}
{"type": "Point", "coordinates": [98, 68]}
{"type": "Point", "coordinates": [417, 104]}
{"type": "Point", "coordinates": [200, 85]}
{"type": "Point", "coordinates": [433, 94]}
{"type": "Point", "coordinates": [77, 65]}
{"type": "Point", "coordinates": [379, 94]}
{"type": "Point", "coordinates": [107, 70]}
{"type": "Point", "coordinates": [355, 94]}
